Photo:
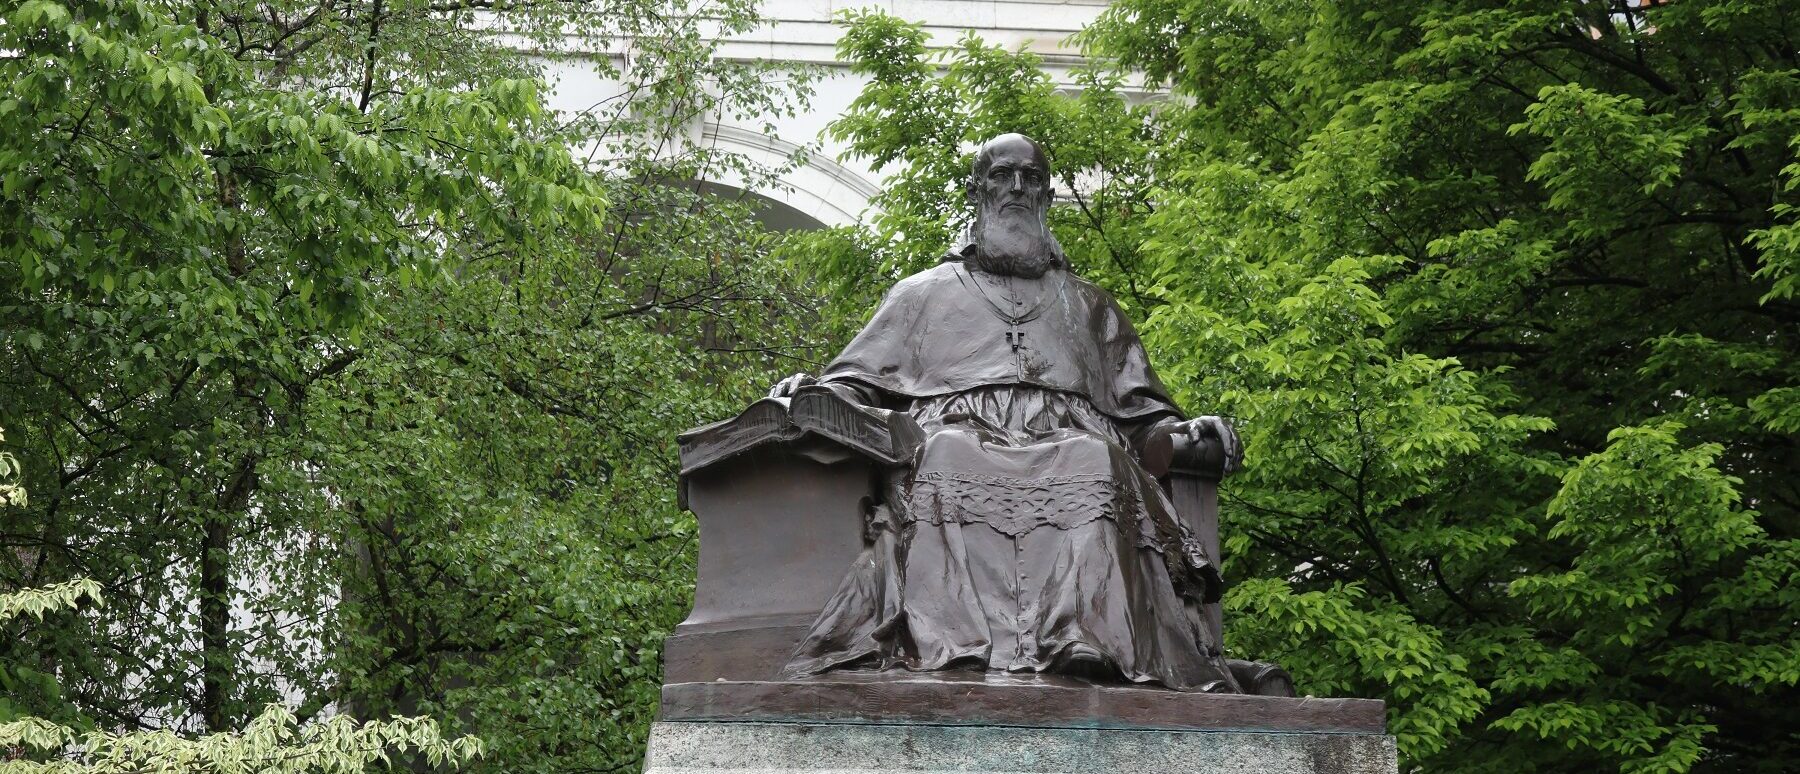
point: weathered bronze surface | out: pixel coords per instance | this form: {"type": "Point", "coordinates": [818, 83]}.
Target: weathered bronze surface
{"type": "Point", "coordinates": [989, 481]}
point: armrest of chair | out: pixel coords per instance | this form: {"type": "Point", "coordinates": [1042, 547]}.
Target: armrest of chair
{"type": "Point", "coordinates": [1192, 483]}
{"type": "Point", "coordinates": [1193, 486]}
{"type": "Point", "coordinates": [1196, 501]}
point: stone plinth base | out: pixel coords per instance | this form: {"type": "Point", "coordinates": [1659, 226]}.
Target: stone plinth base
{"type": "Point", "coordinates": [878, 722]}
{"type": "Point", "coordinates": [999, 699]}
{"type": "Point", "coordinates": [708, 747]}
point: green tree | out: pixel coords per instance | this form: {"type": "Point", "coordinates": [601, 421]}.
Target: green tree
{"type": "Point", "coordinates": [270, 743]}
{"type": "Point", "coordinates": [1502, 300]}
{"type": "Point", "coordinates": [351, 373]}
{"type": "Point", "coordinates": [186, 245]}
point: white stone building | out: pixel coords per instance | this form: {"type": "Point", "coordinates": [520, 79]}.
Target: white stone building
{"type": "Point", "coordinates": [834, 189]}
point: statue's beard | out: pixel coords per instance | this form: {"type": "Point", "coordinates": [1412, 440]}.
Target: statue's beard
{"type": "Point", "coordinates": [1014, 241]}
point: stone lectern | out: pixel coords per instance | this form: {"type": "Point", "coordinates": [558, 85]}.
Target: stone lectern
{"type": "Point", "coordinates": [983, 539]}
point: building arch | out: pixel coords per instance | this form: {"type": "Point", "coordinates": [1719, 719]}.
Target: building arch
{"type": "Point", "coordinates": [820, 189]}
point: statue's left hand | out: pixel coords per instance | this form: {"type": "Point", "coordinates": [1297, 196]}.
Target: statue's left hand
{"type": "Point", "coordinates": [787, 387]}
{"type": "Point", "coordinates": [1199, 429]}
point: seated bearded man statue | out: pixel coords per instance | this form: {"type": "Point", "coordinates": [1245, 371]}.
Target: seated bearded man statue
{"type": "Point", "coordinates": [1029, 536]}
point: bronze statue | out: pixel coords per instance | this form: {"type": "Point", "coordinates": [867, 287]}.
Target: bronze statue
{"type": "Point", "coordinates": [1028, 531]}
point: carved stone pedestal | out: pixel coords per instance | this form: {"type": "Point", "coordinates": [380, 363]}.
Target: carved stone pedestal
{"type": "Point", "coordinates": [948, 721]}
{"type": "Point", "coordinates": [772, 748]}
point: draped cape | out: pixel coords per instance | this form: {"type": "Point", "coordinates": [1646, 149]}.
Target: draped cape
{"type": "Point", "coordinates": [936, 333]}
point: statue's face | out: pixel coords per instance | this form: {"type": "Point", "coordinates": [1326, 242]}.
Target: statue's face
{"type": "Point", "coordinates": [1017, 178]}
{"type": "Point", "coordinates": [1012, 193]}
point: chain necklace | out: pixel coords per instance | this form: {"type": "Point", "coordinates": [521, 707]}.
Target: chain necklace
{"type": "Point", "coordinates": [1014, 336]}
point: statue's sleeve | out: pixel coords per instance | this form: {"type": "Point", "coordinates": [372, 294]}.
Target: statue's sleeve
{"type": "Point", "coordinates": [854, 392]}
{"type": "Point", "coordinates": [1137, 395]}
{"type": "Point", "coordinates": [881, 360]}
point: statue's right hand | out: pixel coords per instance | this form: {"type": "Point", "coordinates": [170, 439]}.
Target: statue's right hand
{"type": "Point", "coordinates": [787, 387]}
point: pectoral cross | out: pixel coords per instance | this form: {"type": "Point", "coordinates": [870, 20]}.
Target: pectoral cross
{"type": "Point", "coordinates": [1014, 336]}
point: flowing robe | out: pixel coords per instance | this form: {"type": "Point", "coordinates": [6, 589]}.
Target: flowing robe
{"type": "Point", "coordinates": [1027, 537]}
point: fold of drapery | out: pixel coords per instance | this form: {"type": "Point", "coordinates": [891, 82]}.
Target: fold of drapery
{"type": "Point", "coordinates": [1027, 538]}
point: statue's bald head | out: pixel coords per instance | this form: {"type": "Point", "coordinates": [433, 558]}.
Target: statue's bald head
{"type": "Point", "coordinates": [1011, 150]}
{"type": "Point", "coordinates": [1010, 188]}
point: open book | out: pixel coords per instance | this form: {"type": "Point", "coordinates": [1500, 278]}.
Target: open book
{"type": "Point", "coordinates": [886, 437]}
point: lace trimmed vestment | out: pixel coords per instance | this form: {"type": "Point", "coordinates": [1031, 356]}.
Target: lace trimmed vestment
{"type": "Point", "coordinates": [1027, 532]}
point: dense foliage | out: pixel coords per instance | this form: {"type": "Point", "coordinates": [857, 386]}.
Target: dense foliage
{"type": "Point", "coordinates": [272, 742]}
{"type": "Point", "coordinates": [1503, 299]}
{"type": "Point", "coordinates": [350, 373]}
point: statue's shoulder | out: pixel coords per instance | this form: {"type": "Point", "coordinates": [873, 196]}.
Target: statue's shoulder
{"type": "Point", "coordinates": [1083, 285]}
{"type": "Point", "coordinates": [945, 271]}
{"type": "Point", "coordinates": [1093, 295]}
{"type": "Point", "coordinates": [927, 281]}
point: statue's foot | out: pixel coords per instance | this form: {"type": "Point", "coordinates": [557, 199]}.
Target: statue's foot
{"type": "Point", "coordinates": [1261, 678]}
{"type": "Point", "coordinates": [1083, 660]}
